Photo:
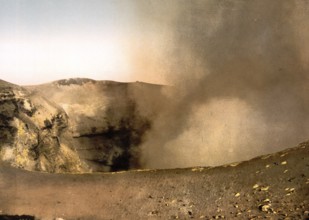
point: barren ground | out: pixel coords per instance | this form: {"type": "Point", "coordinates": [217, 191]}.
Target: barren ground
{"type": "Point", "coordinates": [273, 186]}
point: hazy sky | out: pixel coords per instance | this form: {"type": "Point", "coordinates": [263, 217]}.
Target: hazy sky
{"type": "Point", "coordinates": [44, 40]}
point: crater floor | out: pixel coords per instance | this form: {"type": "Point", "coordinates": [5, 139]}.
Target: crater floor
{"type": "Point", "coordinates": [273, 186]}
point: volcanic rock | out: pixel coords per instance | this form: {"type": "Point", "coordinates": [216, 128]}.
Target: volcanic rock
{"type": "Point", "coordinates": [76, 125]}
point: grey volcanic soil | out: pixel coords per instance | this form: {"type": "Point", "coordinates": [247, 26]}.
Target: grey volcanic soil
{"type": "Point", "coordinates": [273, 186]}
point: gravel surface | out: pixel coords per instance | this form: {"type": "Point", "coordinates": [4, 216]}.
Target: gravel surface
{"type": "Point", "coordinates": [273, 186]}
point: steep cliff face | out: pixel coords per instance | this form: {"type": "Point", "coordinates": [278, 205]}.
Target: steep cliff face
{"type": "Point", "coordinates": [75, 125]}
{"type": "Point", "coordinates": [31, 129]}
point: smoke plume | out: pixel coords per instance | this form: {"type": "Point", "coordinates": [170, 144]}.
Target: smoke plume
{"type": "Point", "coordinates": [239, 71]}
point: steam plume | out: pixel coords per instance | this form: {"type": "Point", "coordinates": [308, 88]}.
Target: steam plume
{"type": "Point", "coordinates": [241, 80]}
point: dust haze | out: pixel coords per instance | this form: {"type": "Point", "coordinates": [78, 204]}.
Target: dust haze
{"type": "Point", "coordinates": [239, 72]}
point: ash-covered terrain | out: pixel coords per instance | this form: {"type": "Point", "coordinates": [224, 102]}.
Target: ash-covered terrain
{"type": "Point", "coordinates": [274, 186]}
{"type": "Point", "coordinates": [76, 125]}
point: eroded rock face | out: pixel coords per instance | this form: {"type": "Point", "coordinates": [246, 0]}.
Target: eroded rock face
{"type": "Point", "coordinates": [30, 131]}
{"type": "Point", "coordinates": [75, 125]}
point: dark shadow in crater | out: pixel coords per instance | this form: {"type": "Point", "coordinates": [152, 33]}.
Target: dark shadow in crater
{"type": "Point", "coordinates": [17, 217]}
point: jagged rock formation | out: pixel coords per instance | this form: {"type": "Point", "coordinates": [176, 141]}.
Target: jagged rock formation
{"type": "Point", "coordinates": [30, 131]}
{"type": "Point", "coordinates": [75, 125]}
{"type": "Point", "coordinates": [274, 186]}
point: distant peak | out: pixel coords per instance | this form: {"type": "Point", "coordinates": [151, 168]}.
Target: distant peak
{"type": "Point", "coordinates": [74, 81]}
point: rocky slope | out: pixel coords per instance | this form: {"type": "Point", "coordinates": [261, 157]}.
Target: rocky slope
{"type": "Point", "coordinates": [273, 186]}
{"type": "Point", "coordinates": [82, 125]}
{"type": "Point", "coordinates": [31, 127]}
{"type": "Point", "coordinates": [76, 125]}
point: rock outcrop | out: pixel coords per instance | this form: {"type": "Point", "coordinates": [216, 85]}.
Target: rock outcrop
{"type": "Point", "coordinates": [75, 125]}
{"type": "Point", "coordinates": [31, 129]}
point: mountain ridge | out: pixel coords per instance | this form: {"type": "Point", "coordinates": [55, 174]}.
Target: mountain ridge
{"type": "Point", "coordinates": [87, 125]}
